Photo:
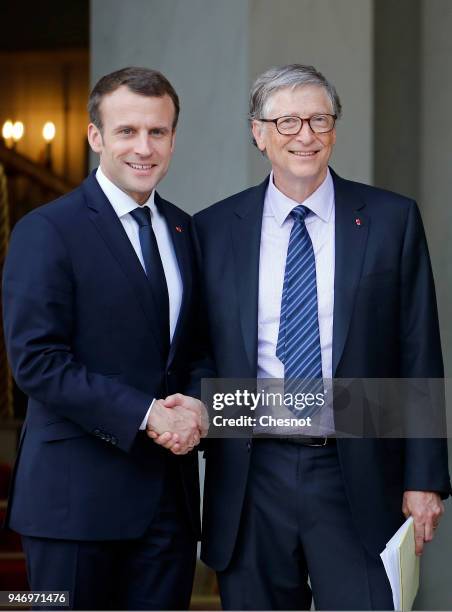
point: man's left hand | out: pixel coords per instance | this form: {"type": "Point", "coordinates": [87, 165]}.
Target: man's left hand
{"type": "Point", "coordinates": [426, 508]}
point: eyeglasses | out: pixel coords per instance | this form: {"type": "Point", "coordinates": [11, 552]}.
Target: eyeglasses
{"type": "Point", "coordinates": [290, 126]}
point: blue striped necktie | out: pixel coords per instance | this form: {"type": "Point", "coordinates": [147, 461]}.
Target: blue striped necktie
{"type": "Point", "coordinates": [298, 346]}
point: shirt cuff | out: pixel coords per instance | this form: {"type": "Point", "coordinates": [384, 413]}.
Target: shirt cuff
{"type": "Point", "coordinates": [145, 420]}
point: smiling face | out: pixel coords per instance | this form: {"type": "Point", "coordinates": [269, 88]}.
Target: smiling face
{"type": "Point", "coordinates": [136, 142]}
{"type": "Point", "coordinates": [299, 162]}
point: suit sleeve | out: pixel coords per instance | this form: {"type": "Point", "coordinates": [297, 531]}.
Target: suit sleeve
{"type": "Point", "coordinates": [426, 467]}
{"type": "Point", "coordinates": [39, 295]}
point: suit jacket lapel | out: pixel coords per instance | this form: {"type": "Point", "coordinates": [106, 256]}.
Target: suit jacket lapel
{"type": "Point", "coordinates": [246, 237]}
{"type": "Point", "coordinates": [180, 236]}
{"type": "Point", "coordinates": [351, 230]}
{"type": "Point", "coordinates": [110, 228]}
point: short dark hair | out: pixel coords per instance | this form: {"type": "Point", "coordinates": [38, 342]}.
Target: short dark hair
{"type": "Point", "coordinates": [143, 81]}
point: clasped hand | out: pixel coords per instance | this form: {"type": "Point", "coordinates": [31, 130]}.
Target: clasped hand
{"type": "Point", "coordinates": [178, 423]}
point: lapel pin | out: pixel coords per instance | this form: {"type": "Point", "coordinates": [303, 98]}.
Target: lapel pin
{"type": "Point", "coordinates": [178, 229]}
{"type": "Point", "coordinates": [358, 221]}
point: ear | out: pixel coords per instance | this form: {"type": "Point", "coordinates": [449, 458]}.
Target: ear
{"type": "Point", "coordinates": [258, 129]}
{"type": "Point", "coordinates": [95, 138]}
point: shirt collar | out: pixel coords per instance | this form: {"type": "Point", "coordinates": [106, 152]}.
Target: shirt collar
{"type": "Point", "coordinates": [320, 202]}
{"type": "Point", "coordinates": [122, 203]}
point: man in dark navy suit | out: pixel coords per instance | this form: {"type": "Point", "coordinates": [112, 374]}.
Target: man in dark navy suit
{"type": "Point", "coordinates": [310, 275]}
{"type": "Point", "coordinates": [100, 308]}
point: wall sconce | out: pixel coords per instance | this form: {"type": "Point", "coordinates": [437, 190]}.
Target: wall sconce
{"type": "Point", "coordinates": [12, 133]}
{"type": "Point", "coordinates": [48, 133]}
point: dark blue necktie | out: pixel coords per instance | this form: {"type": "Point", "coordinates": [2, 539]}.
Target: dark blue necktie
{"type": "Point", "coordinates": [298, 346]}
{"type": "Point", "coordinates": [154, 269]}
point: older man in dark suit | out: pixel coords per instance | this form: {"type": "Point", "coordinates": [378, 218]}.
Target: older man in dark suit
{"type": "Point", "coordinates": [307, 276]}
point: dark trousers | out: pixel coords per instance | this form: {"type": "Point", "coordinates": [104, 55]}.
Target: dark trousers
{"type": "Point", "coordinates": [154, 572]}
{"type": "Point", "coordinates": [296, 523]}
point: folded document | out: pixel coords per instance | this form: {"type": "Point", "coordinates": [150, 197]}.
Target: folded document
{"type": "Point", "coordinates": [402, 566]}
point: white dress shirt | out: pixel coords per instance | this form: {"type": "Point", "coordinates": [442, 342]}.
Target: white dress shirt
{"type": "Point", "coordinates": [123, 204]}
{"type": "Point", "coordinates": [276, 227]}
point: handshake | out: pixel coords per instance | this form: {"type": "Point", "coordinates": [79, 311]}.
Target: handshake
{"type": "Point", "coordinates": [178, 423]}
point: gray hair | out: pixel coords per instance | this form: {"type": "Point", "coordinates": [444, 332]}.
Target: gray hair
{"type": "Point", "coordinates": [290, 76]}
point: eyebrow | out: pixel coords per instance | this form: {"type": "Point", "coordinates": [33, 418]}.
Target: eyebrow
{"type": "Point", "coordinates": [118, 128]}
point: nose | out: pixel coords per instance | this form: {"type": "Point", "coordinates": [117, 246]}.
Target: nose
{"type": "Point", "coordinates": [305, 135]}
{"type": "Point", "coordinates": [143, 145]}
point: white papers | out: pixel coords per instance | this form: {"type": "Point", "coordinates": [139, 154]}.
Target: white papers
{"type": "Point", "coordinates": [402, 566]}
